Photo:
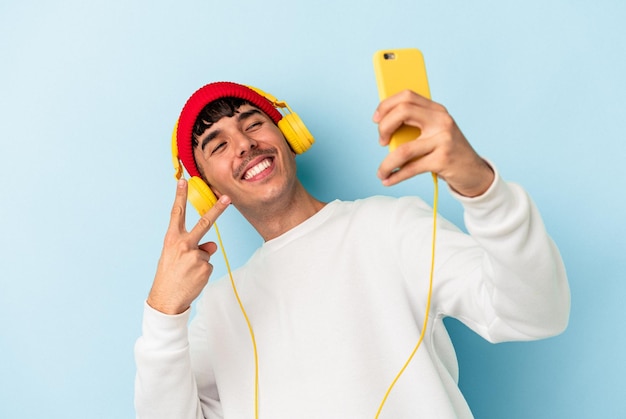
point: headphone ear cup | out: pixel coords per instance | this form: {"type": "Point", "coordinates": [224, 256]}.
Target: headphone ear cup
{"type": "Point", "coordinates": [200, 195]}
{"type": "Point", "coordinates": [296, 133]}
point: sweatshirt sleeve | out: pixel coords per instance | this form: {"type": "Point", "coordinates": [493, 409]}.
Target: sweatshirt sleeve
{"type": "Point", "coordinates": [165, 386]}
{"type": "Point", "coordinates": [517, 287]}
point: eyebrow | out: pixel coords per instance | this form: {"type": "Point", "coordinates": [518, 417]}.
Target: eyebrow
{"type": "Point", "coordinates": [240, 117]}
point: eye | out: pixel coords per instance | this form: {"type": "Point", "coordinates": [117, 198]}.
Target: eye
{"type": "Point", "coordinates": [219, 147]}
{"type": "Point", "coordinates": [254, 126]}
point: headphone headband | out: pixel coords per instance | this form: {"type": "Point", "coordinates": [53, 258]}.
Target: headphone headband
{"type": "Point", "coordinates": [203, 97]}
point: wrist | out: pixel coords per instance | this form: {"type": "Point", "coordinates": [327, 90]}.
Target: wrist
{"type": "Point", "coordinates": [166, 308]}
{"type": "Point", "coordinates": [479, 182]}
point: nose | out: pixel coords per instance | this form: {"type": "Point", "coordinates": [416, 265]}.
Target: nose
{"type": "Point", "coordinates": [243, 144]}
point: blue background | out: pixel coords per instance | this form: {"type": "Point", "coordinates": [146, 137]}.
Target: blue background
{"type": "Point", "coordinates": [89, 92]}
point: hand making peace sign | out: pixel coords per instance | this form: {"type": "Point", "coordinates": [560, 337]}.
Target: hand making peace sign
{"type": "Point", "coordinates": [184, 267]}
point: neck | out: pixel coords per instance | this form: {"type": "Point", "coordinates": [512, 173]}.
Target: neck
{"type": "Point", "coordinates": [273, 219]}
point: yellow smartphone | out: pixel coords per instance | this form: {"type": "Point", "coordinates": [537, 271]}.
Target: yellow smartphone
{"type": "Point", "coordinates": [397, 70]}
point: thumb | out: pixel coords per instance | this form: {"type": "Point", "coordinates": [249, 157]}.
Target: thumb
{"type": "Point", "coordinates": [209, 247]}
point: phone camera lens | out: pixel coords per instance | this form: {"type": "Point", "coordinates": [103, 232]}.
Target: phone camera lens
{"type": "Point", "coordinates": [389, 56]}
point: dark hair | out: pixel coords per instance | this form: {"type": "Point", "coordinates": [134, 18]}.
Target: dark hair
{"type": "Point", "coordinates": [213, 112]}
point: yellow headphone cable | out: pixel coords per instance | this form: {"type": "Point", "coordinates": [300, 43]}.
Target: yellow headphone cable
{"type": "Point", "coordinates": [245, 315]}
{"type": "Point", "coordinates": [430, 292]}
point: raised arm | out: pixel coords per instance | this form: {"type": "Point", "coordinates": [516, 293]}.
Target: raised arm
{"type": "Point", "coordinates": [165, 386]}
{"type": "Point", "coordinates": [513, 285]}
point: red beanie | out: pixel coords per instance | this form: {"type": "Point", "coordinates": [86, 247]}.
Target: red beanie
{"type": "Point", "coordinates": [199, 100]}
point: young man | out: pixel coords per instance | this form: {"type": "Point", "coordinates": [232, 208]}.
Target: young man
{"type": "Point", "coordinates": [337, 295]}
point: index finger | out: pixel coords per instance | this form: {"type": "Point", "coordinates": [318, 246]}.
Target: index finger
{"type": "Point", "coordinates": [405, 96]}
{"type": "Point", "coordinates": [208, 219]}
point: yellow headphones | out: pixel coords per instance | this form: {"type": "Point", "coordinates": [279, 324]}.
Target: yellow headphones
{"type": "Point", "coordinates": [296, 133]}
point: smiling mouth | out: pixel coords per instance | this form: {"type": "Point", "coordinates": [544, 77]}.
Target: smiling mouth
{"type": "Point", "coordinates": [257, 168]}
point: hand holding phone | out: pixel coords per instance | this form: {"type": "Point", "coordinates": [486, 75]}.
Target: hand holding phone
{"type": "Point", "coordinates": [397, 70]}
{"type": "Point", "coordinates": [443, 149]}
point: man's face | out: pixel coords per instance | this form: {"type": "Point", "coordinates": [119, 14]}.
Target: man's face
{"type": "Point", "coordinates": [247, 158]}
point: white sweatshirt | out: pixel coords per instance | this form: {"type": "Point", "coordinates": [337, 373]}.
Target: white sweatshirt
{"type": "Point", "coordinates": [337, 305]}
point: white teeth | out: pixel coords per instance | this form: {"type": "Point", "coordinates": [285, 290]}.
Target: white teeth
{"type": "Point", "coordinates": [255, 170]}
